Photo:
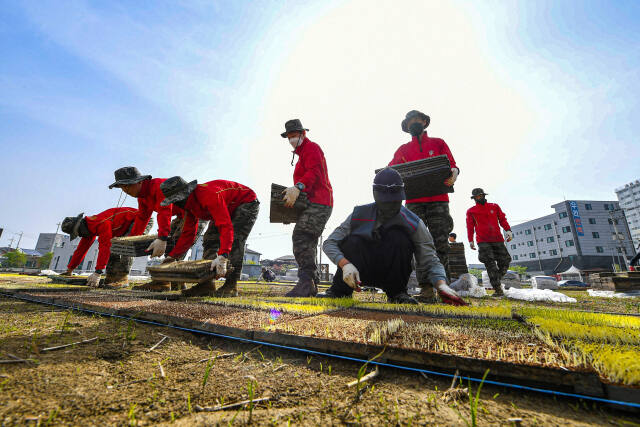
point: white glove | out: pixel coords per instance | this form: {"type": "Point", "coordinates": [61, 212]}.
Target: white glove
{"type": "Point", "coordinates": [220, 265]}
{"type": "Point", "coordinates": [509, 235]}
{"type": "Point", "coordinates": [452, 179]}
{"type": "Point", "coordinates": [290, 196]}
{"type": "Point", "coordinates": [351, 276]}
{"type": "Point", "coordinates": [472, 246]}
{"type": "Point", "coordinates": [158, 247]}
{"type": "Point", "coordinates": [93, 280]}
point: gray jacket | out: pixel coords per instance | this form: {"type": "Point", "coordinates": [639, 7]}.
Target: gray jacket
{"type": "Point", "coordinates": [428, 267]}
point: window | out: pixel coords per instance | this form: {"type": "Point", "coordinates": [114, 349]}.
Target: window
{"type": "Point", "coordinates": [599, 249]}
{"type": "Point", "coordinates": [515, 257]}
{"type": "Point", "coordinates": [62, 244]}
{"type": "Point", "coordinates": [530, 243]}
{"type": "Point", "coordinates": [566, 229]}
{"type": "Point", "coordinates": [609, 207]}
{"type": "Point", "coordinates": [550, 239]}
{"type": "Point", "coordinates": [89, 265]}
{"type": "Point", "coordinates": [588, 206]}
{"type": "Point", "coordinates": [547, 226]}
{"type": "Point", "coordinates": [513, 246]}
{"type": "Point", "coordinates": [568, 243]}
{"type": "Point", "coordinates": [595, 235]}
{"type": "Point", "coordinates": [562, 215]}
{"type": "Point", "coordinates": [592, 220]}
{"type": "Point", "coordinates": [553, 252]}
{"type": "Point", "coordinates": [527, 232]}
{"type": "Point", "coordinates": [619, 250]}
{"type": "Point", "coordinates": [532, 255]}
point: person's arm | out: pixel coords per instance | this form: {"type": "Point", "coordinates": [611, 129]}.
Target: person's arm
{"type": "Point", "coordinates": [142, 218]}
{"type": "Point", "coordinates": [398, 157]}
{"type": "Point", "coordinates": [447, 151]}
{"type": "Point", "coordinates": [313, 161]}
{"type": "Point", "coordinates": [104, 245]}
{"type": "Point", "coordinates": [428, 266]}
{"type": "Point", "coordinates": [187, 236]}
{"type": "Point", "coordinates": [164, 221]}
{"type": "Point", "coordinates": [80, 252]}
{"type": "Point", "coordinates": [471, 224]}
{"type": "Point", "coordinates": [502, 219]}
{"type": "Point", "coordinates": [331, 245]}
{"type": "Point", "coordinates": [220, 214]}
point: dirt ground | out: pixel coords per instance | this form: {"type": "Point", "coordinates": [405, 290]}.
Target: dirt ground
{"type": "Point", "coordinates": [117, 380]}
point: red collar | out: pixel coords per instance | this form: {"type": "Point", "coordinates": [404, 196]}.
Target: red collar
{"type": "Point", "coordinates": [299, 147]}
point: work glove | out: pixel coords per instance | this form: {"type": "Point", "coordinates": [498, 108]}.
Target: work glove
{"type": "Point", "coordinates": [168, 260]}
{"type": "Point", "coordinates": [472, 245]}
{"type": "Point", "coordinates": [452, 179]}
{"type": "Point", "coordinates": [290, 196]}
{"type": "Point", "coordinates": [93, 280]}
{"type": "Point", "coordinates": [509, 235]}
{"type": "Point", "coordinates": [448, 295]}
{"type": "Point", "coordinates": [351, 276]}
{"type": "Point", "coordinates": [157, 248]}
{"type": "Point", "coordinates": [219, 265]}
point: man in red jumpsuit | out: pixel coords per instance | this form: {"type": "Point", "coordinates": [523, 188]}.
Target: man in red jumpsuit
{"type": "Point", "coordinates": [114, 222]}
{"type": "Point", "coordinates": [232, 210]}
{"type": "Point", "coordinates": [485, 219]}
{"type": "Point", "coordinates": [432, 210]}
{"type": "Point", "coordinates": [312, 177]}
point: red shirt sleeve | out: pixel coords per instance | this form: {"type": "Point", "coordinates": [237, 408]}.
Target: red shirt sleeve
{"type": "Point", "coordinates": [470, 225]}
{"type": "Point", "coordinates": [312, 166]}
{"type": "Point", "coordinates": [164, 220]}
{"type": "Point", "coordinates": [187, 236]}
{"type": "Point", "coordinates": [398, 158]}
{"type": "Point", "coordinates": [104, 245]}
{"type": "Point", "coordinates": [445, 150]}
{"type": "Point", "coordinates": [80, 252]}
{"type": "Point", "coordinates": [220, 214]}
{"type": "Point", "coordinates": [142, 218]}
{"type": "Point", "coordinates": [502, 219]}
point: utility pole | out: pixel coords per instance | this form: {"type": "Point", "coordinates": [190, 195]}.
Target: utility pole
{"type": "Point", "coordinates": [10, 242]}
{"type": "Point", "coordinates": [53, 243]}
{"type": "Point", "coordinates": [618, 238]}
{"type": "Point", "coordinates": [21, 233]}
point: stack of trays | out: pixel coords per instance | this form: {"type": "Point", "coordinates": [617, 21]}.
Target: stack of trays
{"type": "Point", "coordinates": [279, 213]}
{"type": "Point", "coordinates": [132, 246]}
{"type": "Point", "coordinates": [457, 260]}
{"type": "Point", "coordinates": [424, 178]}
{"type": "Point", "coordinates": [183, 271]}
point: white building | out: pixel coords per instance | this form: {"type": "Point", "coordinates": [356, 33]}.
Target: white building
{"type": "Point", "coordinates": [629, 198]}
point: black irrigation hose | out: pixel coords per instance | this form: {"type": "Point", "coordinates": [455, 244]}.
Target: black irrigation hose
{"type": "Point", "coordinates": [335, 356]}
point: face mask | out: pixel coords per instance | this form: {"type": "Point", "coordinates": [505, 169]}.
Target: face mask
{"type": "Point", "coordinates": [295, 141]}
{"type": "Point", "coordinates": [181, 203]}
{"type": "Point", "coordinates": [83, 230]}
{"type": "Point", "coordinates": [387, 210]}
{"type": "Point", "coordinates": [481, 201]}
{"type": "Point", "coordinates": [416, 128]}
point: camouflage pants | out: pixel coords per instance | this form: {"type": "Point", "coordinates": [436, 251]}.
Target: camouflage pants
{"type": "Point", "coordinates": [175, 231]}
{"type": "Point", "coordinates": [242, 219]}
{"type": "Point", "coordinates": [308, 229]}
{"type": "Point", "coordinates": [436, 217]}
{"type": "Point", "coordinates": [496, 258]}
{"type": "Point", "coordinates": [118, 266]}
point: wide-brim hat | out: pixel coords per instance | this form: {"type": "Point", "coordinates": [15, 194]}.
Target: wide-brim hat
{"type": "Point", "coordinates": [410, 115]}
{"type": "Point", "coordinates": [478, 192]}
{"type": "Point", "coordinates": [294, 125]}
{"type": "Point", "coordinates": [128, 175]}
{"type": "Point", "coordinates": [71, 225]}
{"type": "Point", "coordinates": [176, 189]}
{"type": "Point", "coordinates": [388, 186]}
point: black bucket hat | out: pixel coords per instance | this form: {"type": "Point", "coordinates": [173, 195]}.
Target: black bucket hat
{"type": "Point", "coordinates": [128, 175]}
{"type": "Point", "coordinates": [71, 224]}
{"type": "Point", "coordinates": [176, 189]}
{"type": "Point", "coordinates": [388, 186]}
{"type": "Point", "coordinates": [478, 192]}
{"type": "Point", "coordinates": [410, 115]}
{"type": "Point", "coordinates": [294, 125]}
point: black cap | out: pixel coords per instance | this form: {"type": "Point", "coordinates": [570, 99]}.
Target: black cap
{"type": "Point", "coordinates": [478, 192]}
{"type": "Point", "coordinates": [294, 125]}
{"type": "Point", "coordinates": [176, 189]}
{"type": "Point", "coordinates": [388, 186]}
{"type": "Point", "coordinates": [410, 115]}
{"type": "Point", "coordinates": [454, 235]}
{"type": "Point", "coordinates": [71, 224]}
{"type": "Point", "coordinates": [128, 175]}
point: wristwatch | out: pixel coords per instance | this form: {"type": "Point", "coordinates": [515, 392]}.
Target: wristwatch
{"type": "Point", "coordinates": [300, 186]}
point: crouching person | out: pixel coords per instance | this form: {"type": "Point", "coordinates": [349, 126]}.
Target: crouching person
{"type": "Point", "coordinates": [232, 210]}
{"type": "Point", "coordinates": [374, 246]}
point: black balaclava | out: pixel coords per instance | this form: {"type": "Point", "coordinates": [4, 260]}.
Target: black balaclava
{"type": "Point", "coordinates": [416, 129]}
{"type": "Point", "coordinates": [481, 201]}
{"type": "Point", "coordinates": [181, 203]}
{"type": "Point", "coordinates": [387, 210]}
{"type": "Point", "coordinates": [83, 230]}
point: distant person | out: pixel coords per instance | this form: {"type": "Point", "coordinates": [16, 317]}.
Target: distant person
{"type": "Point", "coordinates": [115, 222]}
{"type": "Point", "coordinates": [312, 177]}
{"type": "Point", "coordinates": [268, 275]}
{"type": "Point", "coordinates": [432, 210]}
{"type": "Point", "coordinates": [376, 244]}
{"type": "Point", "coordinates": [452, 237]}
{"type": "Point", "coordinates": [485, 220]}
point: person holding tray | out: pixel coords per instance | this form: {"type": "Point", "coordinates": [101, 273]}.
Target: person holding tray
{"type": "Point", "coordinates": [312, 177]}
{"type": "Point", "coordinates": [114, 222]}
{"type": "Point", "coordinates": [232, 210]}
{"type": "Point", "coordinates": [375, 246]}
{"type": "Point", "coordinates": [432, 210]}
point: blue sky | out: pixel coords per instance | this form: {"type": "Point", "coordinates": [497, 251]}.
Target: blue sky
{"type": "Point", "coordinates": [537, 100]}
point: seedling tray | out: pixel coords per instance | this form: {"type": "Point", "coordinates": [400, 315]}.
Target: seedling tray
{"type": "Point", "coordinates": [281, 214]}
{"type": "Point", "coordinates": [425, 177]}
{"type": "Point", "coordinates": [183, 271]}
{"type": "Point", "coordinates": [133, 246]}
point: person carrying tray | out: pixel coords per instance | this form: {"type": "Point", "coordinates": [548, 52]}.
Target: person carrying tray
{"type": "Point", "coordinates": [311, 176]}
{"type": "Point", "coordinates": [231, 210]}
{"type": "Point", "coordinates": [114, 222]}
{"type": "Point", "coordinates": [147, 190]}
{"type": "Point", "coordinates": [485, 220]}
{"type": "Point", "coordinates": [432, 210]}
{"type": "Point", "coordinates": [375, 246]}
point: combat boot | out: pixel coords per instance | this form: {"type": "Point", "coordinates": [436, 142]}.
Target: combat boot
{"type": "Point", "coordinates": [498, 292]}
{"type": "Point", "coordinates": [202, 289]}
{"type": "Point", "coordinates": [402, 298]}
{"type": "Point", "coordinates": [427, 294]}
{"type": "Point", "coordinates": [175, 286]}
{"type": "Point", "coordinates": [304, 288]}
{"type": "Point", "coordinates": [115, 281]}
{"type": "Point", "coordinates": [153, 286]}
{"type": "Point", "coordinates": [229, 289]}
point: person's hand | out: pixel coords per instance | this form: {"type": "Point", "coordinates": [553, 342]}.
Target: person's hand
{"type": "Point", "coordinates": [290, 196]}
{"type": "Point", "coordinates": [93, 280]}
{"type": "Point", "coordinates": [157, 248]}
{"type": "Point", "coordinates": [351, 276]}
{"type": "Point", "coordinates": [452, 179]}
{"type": "Point", "coordinates": [168, 259]}
{"type": "Point", "coordinates": [219, 265]}
{"type": "Point", "coordinates": [472, 246]}
{"type": "Point", "coordinates": [509, 235]}
{"type": "Point", "coordinates": [448, 295]}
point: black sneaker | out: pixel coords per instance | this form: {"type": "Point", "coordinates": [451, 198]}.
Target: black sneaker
{"type": "Point", "coordinates": [403, 298]}
{"type": "Point", "coordinates": [330, 293]}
